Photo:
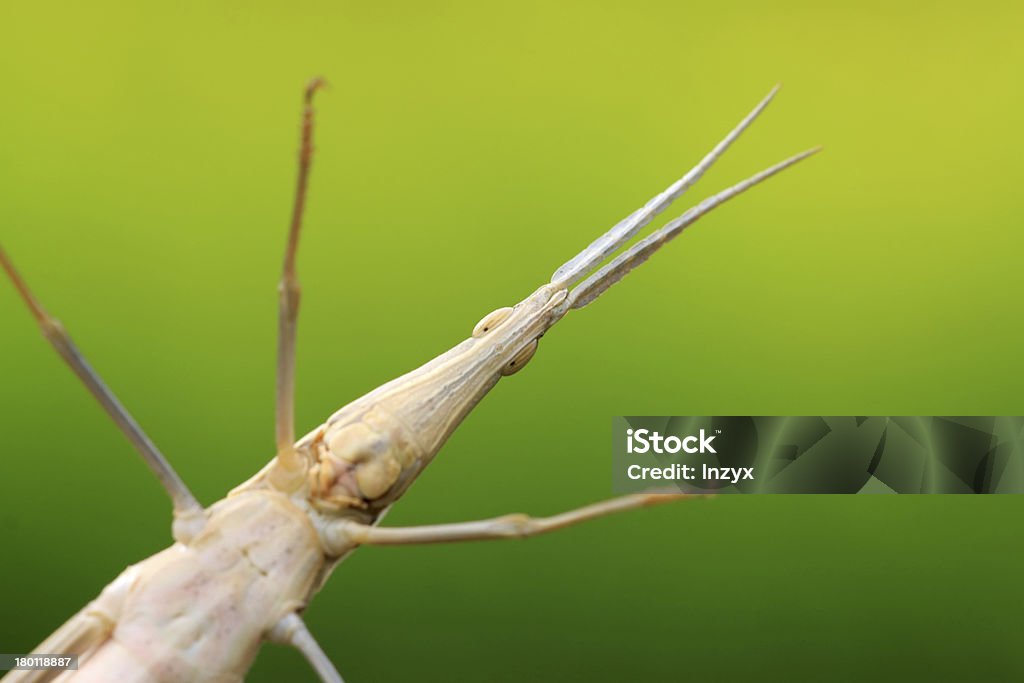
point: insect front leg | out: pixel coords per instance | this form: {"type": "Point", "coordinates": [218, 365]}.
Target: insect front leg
{"type": "Point", "coordinates": [289, 471]}
{"type": "Point", "coordinates": [345, 533]}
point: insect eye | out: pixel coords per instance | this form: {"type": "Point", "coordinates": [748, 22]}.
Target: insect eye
{"type": "Point", "coordinates": [521, 359]}
{"type": "Point", "coordinates": [491, 320]}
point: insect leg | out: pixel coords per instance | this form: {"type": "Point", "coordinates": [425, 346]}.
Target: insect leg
{"type": "Point", "coordinates": [186, 507]}
{"type": "Point", "coordinates": [291, 630]}
{"type": "Point", "coordinates": [84, 632]}
{"type": "Point", "coordinates": [76, 637]}
{"type": "Point", "coordinates": [289, 468]}
{"type": "Point", "coordinates": [507, 526]}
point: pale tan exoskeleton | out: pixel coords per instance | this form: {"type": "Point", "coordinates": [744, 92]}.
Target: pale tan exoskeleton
{"type": "Point", "coordinates": [242, 570]}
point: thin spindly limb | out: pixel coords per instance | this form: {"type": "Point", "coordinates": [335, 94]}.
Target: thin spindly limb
{"type": "Point", "coordinates": [291, 630]}
{"type": "Point", "coordinates": [185, 504]}
{"type": "Point", "coordinates": [288, 305]}
{"type": "Point", "coordinates": [77, 636]}
{"type": "Point", "coordinates": [507, 526]}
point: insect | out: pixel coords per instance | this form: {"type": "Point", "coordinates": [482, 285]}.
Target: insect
{"type": "Point", "coordinates": [242, 570]}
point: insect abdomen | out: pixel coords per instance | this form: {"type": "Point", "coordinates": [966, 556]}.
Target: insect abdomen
{"type": "Point", "coordinates": [198, 613]}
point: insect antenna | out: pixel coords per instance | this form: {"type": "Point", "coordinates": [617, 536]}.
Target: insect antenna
{"type": "Point", "coordinates": [604, 246]}
{"type": "Point", "coordinates": [620, 266]}
{"type": "Point", "coordinates": [289, 469]}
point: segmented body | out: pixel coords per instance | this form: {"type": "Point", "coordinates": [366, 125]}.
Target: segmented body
{"type": "Point", "coordinates": [199, 611]}
{"type": "Point", "coordinates": [242, 570]}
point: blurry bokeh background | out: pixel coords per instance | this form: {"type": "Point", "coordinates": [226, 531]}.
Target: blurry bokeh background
{"type": "Point", "coordinates": [464, 151]}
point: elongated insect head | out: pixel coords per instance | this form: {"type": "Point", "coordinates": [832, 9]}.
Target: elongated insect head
{"type": "Point", "coordinates": [368, 453]}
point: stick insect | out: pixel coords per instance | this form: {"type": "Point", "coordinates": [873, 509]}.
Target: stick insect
{"type": "Point", "coordinates": [242, 570]}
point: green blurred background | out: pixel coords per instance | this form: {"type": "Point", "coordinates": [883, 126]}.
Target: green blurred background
{"type": "Point", "coordinates": [464, 151]}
